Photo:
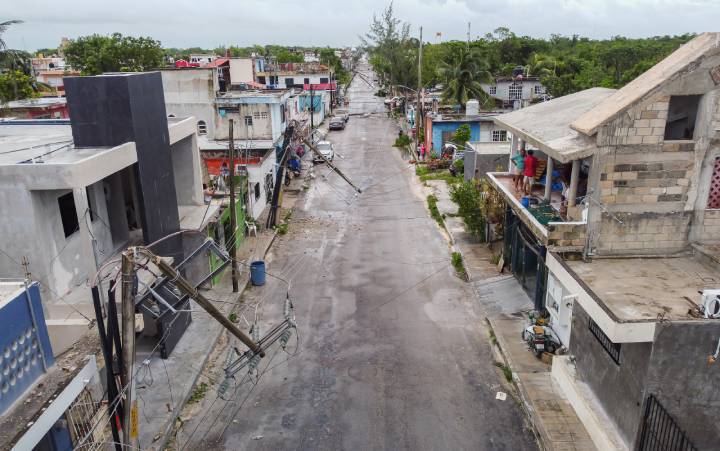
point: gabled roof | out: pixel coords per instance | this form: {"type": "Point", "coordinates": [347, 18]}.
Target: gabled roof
{"type": "Point", "coordinates": [679, 60]}
{"type": "Point", "coordinates": [546, 125]}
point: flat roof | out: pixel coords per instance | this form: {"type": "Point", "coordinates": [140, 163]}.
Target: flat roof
{"type": "Point", "coordinates": [491, 147]}
{"type": "Point", "coordinates": [9, 290]}
{"type": "Point", "coordinates": [487, 117]}
{"type": "Point", "coordinates": [41, 102]}
{"type": "Point", "coordinates": [547, 124]}
{"type": "Point", "coordinates": [681, 59]}
{"type": "Point", "coordinates": [636, 289]}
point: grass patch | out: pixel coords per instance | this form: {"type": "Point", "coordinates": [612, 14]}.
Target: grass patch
{"type": "Point", "coordinates": [199, 393]}
{"type": "Point", "coordinates": [421, 170]}
{"type": "Point", "coordinates": [493, 338]}
{"type": "Point", "coordinates": [507, 372]}
{"type": "Point", "coordinates": [457, 262]}
{"type": "Point", "coordinates": [282, 229]}
{"type": "Point", "coordinates": [434, 212]}
{"type": "Point", "coordinates": [495, 259]}
{"type": "Point", "coordinates": [402, 141]}
{"type": "Point", "coordinates": [441, 175]}
{"type": "Point", "coordinates": [233, 317]}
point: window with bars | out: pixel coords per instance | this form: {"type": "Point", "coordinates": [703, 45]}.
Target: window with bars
{"type": "Point", "coordinates": [492, 90]}
{"type": "Point", "coordinates": [515, 92]}
{"type": "Point", "coordinates": [714, 193]}
{"type": "Point", "coordinates": [499, 135]}
{"type": "Point", "coordinates": [613, 349]}
{"type": "Point", "coordinates": [201, 128]}
{"type": "Point", "coordinates": [538, 89]}
{"type": "Point", "coordinates": [248, 120]}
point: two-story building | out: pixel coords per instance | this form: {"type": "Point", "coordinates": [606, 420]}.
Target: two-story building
{"type": "Point", "coordinates": [515, 92]}
{"type": "Point", "coordinates": [620, 243]}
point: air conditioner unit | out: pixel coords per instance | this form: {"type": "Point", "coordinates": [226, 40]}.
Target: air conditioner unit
{"type": "Point", "coordinates": [710, 303]}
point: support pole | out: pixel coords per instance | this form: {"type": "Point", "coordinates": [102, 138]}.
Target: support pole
{"type": "Point", "coordinates": [548, 178]}
{"type": "Point", "coordinates": [312, 109]}
{"type": "Point", "coordinates": [332, 166]}
{"type": "Point", "coordinates": [233, 213]}
{"type": "Point", "coordinates": [202, 301]}
{"type": "Point", "coordinates": [130, 419]}
{"type": "Point", "coordinates": [418, 94]}
{"type": "Point", "coordinates": [574, 174]}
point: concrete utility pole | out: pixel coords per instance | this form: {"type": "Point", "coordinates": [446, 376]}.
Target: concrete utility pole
{"type": "Point", "coordinates": [233, 213]}
{"type": "Point", "coordinates": [130, 417]}
{"type": "Point", "coordinates": [419, 95]}
{"type": "Point", "coordinates": [468, 37]}
{"type": "Point", "coordinates": [312, 109]}
{"type": "Point", "coordinates": [332, 166]}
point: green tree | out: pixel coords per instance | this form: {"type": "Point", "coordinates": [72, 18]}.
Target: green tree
{"type": "Point", "coordinates": [15, 85]}
{"type": "Point", "coordinates": [462, 74]}
{"type": "Point", "coordinates": [96, 54]}
{"type": "Point", "coordinates": [462, 135]}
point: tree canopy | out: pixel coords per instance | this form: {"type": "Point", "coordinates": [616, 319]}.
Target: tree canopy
{"type": "Point", "coordinates": [96, 53]}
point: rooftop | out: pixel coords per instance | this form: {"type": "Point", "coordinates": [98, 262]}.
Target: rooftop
{"type": "Point", "coordinates": [490, 148]}
{"type": "Point", "coordinates": [487, 117]}
{"type": "Point", "coordinates": [253, 96]}
{"type": "Point", "coordinates": [681, 59]}
{"type": "Point", "coordinates": [547, 124]}
{"type": "Point", "coordinates": [637, 289]}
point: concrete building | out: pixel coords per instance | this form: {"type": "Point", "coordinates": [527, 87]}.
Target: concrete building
{"type": "Point", "coordinates": [515, 92]}
{"type": "Point", "coordinates": [442, 127]}
{"type": "Point", "coordinates": [41, 108]}
{"type": "Point", "coordinates": [623, 242]}
{"type": "Point", "coordinates": [293, 75]}
{"type": "Point", "coordinates": [119, 172]}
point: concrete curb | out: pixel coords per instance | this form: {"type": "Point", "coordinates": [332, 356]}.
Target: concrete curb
{"type": "Point", "coordinates": [162, 441]}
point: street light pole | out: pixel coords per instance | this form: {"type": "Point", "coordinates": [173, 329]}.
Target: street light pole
{"type": "Point", "coordinates": [418, 94]}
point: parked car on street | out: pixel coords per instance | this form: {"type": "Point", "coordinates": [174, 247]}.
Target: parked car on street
{"type": "Point", "coordinates": [337, 123]}
{"type": "Point", "coordinates": [326, 149]}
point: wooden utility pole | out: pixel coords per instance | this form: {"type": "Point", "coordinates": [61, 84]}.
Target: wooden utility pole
{"type": "Point", "coordinates": [419, 95]}
{"type": "Point", "coordinates": [130, 417]}
{"type": "Point", "coordinates": [233, 214]}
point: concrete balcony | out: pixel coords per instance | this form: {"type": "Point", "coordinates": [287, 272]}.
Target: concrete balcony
{"type": "Point", "coordinates": [556, 234]}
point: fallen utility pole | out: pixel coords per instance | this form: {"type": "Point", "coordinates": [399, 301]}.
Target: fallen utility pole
{"type": "Point", "coordinates": [332, 166]}
{"type": "Point", "coordinates": [233, 217]}
{"type": "Point", "coordinates": [185, 286]}
{"type": "Point", "coordinates": [130, 417]}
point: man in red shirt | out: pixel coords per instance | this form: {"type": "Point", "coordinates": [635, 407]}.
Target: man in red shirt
{"type": "Point", "coordinates": [530, 166]}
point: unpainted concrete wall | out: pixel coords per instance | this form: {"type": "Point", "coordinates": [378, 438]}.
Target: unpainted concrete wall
{"type": "Point", "coordinates": [256, 174]}
{"type": "Point", "coordinates": [261, 127]}
{"type": "Point", "coordinates": [186, 171]}
{"type": "Point", "coordinates": [683, 382]}
{"type": "Point", "coordinates": [191, 93]}
{"type": "Point", "coordinates": [618, 388]}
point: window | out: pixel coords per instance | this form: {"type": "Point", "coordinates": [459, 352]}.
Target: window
{"type": "Point", "coordinates": [307, 81]}
{"type": "Point", "coordinates": [499, 135]}
{"type": "Point", "coordinates": [261, 79]}
{"type": "Point", "coordinates": [515, 91]}
{"type": "Point", "coordinates": [538, 89]}
{"type": "Point", "coordinates": [263, 115]}
{"type": "Point", "coordinates": [269, 186]}
{"type": "Point", "coordinates": [289, 82]}
{"type": "Point", "coordinates": [613, 349]}
{"type": "Point", "coordinates": [282, 113]}
{"type": "Point", "coordinates": [257, 191]}
{"type": "Point", "coordinates": [248, 121]}
{"type": "Point", "coordinates": [201, 128]}
{"type": "Point", "coordinates": [68, 215]}
{"type": "Point", "coordinates": [323, 80]}
{"type": "Point", "coordinates": [492, 90]}
{"type": "Point", "coordinates": [256, 115]}
{"type": "Point", "coordinates": [714, 194]}
{"type": "Point", "coordinates": [681, 116]}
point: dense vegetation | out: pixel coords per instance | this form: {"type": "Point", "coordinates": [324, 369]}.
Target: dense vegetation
{"type": "Point", "coordinates": [96, 54]}
{"type": "Point", "coordinates": [16, 80]}
{"type": "Point", "coordinates": [564, 64]}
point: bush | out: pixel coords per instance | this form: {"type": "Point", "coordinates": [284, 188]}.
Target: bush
{"type": "Point", "coordinates": [402, 141]}
{"type": "Point", "coordinates": [434, 212]}
{"type": "Point", "coordinates": [381, 93]}
{"type": "Point", "coordinates": [467, 196]}
{"type": "Point", "coordinates": [459, 165]}
{"type": "Point", "coordinates": [457, 262]}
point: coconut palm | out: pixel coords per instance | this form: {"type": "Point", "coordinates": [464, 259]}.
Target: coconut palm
{"type": "Point", "coordinates": [462, 73]}
{"type": "Point", "coordinates": [541, 65]}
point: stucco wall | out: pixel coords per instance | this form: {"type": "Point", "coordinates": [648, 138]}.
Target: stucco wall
{"type": "Point", "coordinates": [683, 382]}
{"type": "Point", "coordinates": [256, 174]}
{"type": "Point", "coordinates": [618, 388]}
{"type": "Point", "coordinates": [439, 127]}
{"type": "Point", "coordinates": [191, 93]}
{"type": "Point", "coordinates": [261, 127]}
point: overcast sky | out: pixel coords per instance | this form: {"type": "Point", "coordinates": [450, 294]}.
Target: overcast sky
{"type": "Point", "coordinates": [210, 23]}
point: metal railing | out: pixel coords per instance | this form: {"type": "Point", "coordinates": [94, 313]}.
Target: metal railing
{"type": "Point", "coordinates": [659, 431]}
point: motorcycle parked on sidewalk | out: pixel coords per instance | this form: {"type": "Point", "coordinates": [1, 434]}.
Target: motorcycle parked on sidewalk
{"type": "Point", "coordinates": [541, 339]}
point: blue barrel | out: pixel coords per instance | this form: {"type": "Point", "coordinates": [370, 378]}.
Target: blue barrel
{"type": "Point", "coordinates": [525, 201]}
{"type": "Point", "coordinates": [257, 273]}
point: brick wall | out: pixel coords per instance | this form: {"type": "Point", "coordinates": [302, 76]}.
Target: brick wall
{"type": "Point", "coordinates": [642, 124]}
{"type": "Point", "coordinates": [643, 233]}
{"type": "Point", "coordinates": [710, 230]}
{"type": "Point", "coordinates": [650, 180]}
{"type": "Point", "coordinates": [566, 236]}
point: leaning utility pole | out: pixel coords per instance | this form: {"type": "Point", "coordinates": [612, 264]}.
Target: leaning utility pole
{"type": "Point", "coordinates": [419, 94]}
{"type": "Point", "coordinates": [130, 417]}
{"type": "Point", "coordinates": [233, 217]}
{"type": "Point", "coordinates": [312, 109]}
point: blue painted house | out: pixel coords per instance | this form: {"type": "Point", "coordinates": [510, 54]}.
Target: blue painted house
{"type": "Point", "coordinates": [443, 126]}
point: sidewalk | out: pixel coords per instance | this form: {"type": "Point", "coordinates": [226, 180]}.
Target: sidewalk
{"type": "Point", "coordinates": [504, 303]}
{"type": "Point", "coordinates": [161, 398]}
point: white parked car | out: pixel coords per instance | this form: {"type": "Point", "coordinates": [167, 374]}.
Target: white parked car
{"type": "Point", "coordinates": [326, 149]}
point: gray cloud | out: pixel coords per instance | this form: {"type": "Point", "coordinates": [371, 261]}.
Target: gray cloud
{"type": "Point", "coordinates": [184, 23]}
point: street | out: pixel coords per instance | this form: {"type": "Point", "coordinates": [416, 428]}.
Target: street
{"type": "Point", "coordinates": [393, 353]}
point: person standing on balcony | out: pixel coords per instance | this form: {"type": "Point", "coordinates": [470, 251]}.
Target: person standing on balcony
{"type": "Point", "coordinates": [530, 166]}
{"type": "Point", "coordinates": [519, 162]}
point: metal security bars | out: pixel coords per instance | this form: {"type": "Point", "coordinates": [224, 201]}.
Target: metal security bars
{"type": "Point", "coordinates": [613, 349]}
{"type": "Point", "coordinates": [659, 431]}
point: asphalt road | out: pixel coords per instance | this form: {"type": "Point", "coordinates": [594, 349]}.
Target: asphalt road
{"type": "Point", "coordinates": [393, 354]}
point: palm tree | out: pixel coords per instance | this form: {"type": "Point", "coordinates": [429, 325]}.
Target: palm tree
{"type": "Point", "coordinates": [541, 65]}
{"type": "Point", "coordinates": [462, 73]}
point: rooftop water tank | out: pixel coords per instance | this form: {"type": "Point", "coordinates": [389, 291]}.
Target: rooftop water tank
{"type": "Point", "coordinates": [472, 108]}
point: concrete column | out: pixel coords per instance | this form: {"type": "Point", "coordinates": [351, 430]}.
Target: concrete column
{"type": "Point", "coordinates": [572, 192]}
{"type": "Point", "coordinates": [548, 178]}
{"type": "Point", "coordinates": [514, 146]}
{"type": "Point", "coordinates": [87, 245]}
